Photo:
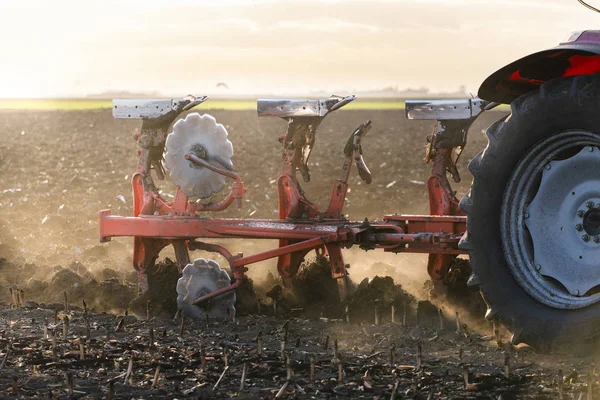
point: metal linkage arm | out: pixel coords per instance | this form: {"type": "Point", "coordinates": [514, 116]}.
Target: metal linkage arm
{"type": "Point", "coordinates": [454, 118]}
{"type": "Point", "coordinates": [304, 117]}
{"type": "Point", "coordinates": [236, 193]}
{"type": "Point", "coordinates": [353, 148]}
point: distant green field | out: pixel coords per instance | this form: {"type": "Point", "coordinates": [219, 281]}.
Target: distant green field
{"type": "Point", "coordinates": [85, 104]}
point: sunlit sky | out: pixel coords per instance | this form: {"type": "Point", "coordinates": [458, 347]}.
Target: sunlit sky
{"type": "Point", "coordinates": [73, 48]}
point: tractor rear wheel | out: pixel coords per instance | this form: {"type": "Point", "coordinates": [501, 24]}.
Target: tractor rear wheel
{"type": "Point", "coordinates": [533, 225]}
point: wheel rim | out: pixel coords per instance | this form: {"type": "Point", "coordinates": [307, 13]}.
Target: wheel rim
{"type": "Point", "coordinates": [550, 220]}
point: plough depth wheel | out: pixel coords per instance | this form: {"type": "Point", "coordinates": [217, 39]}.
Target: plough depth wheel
{"type": "Point", "coordinates": [533, 211]}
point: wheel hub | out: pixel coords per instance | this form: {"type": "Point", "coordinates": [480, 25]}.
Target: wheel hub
{"type": "Point", "coordinates": [564, 222]}
{"type": "Point", "coordinates": [202, 136]}
{"type": "Point", "coordinates": [591, 223]}
{"type": "Point", "coordinates": [199, 151]}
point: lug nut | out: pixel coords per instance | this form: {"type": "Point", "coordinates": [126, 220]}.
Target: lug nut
{"type": "Point", "coordinates": [585, 238]}
{"type": "Point", "coordinates": [580, 213]}
{"type": "Point", "coordinates": [596, 239]}
{"type": "Point", "coordinates": [590, 148]}
{"type": "Point", "coordinates": [579, 227]}
{"type": "Point", "coordinates": [548, 166]}
{"type": "Point", "coordinates": [589, 204]}
{"type": "Point", "coordinates": [538, 267]}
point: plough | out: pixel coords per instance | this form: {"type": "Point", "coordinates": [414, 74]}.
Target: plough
{"type": "Point", "coordinates": [301, 226]}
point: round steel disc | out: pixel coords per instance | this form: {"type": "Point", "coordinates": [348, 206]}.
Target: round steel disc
{"type": "Point", "coordinates": [199, 279]}
{"type": "Point", "coordinates": [204, 137]}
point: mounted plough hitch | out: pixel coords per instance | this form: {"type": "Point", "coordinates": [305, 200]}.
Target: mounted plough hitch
{"type": "Point", "coordinates": [198, 154]}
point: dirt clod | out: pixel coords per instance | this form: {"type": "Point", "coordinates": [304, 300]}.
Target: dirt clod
{"type": "Point", "coordinates": [162, 280]}
{"type": "Point", "coordinates": [377, 296]}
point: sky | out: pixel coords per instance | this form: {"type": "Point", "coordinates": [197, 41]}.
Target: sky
{"type": "Point", "coordinates": [73, 48]}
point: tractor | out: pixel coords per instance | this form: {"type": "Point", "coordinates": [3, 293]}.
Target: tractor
{"type": "Point", "coordinates": [530, 223]}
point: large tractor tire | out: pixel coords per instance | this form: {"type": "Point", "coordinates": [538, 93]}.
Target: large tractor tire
{"type": "Point", "coordinates": [533, 225]}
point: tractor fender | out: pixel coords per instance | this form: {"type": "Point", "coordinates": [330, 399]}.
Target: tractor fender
{"type": "Point", "coordinates": [579, 55]}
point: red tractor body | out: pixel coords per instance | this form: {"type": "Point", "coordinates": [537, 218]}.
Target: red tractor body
{"type": "Point", "coordinates": [578, 55]}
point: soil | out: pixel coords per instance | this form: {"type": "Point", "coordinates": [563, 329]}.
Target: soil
{"type": "Point", "coordinates": [58, 169]}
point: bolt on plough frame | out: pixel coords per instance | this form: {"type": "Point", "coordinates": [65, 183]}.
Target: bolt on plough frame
{"type": "Point", "coordinates": [301, 226]}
